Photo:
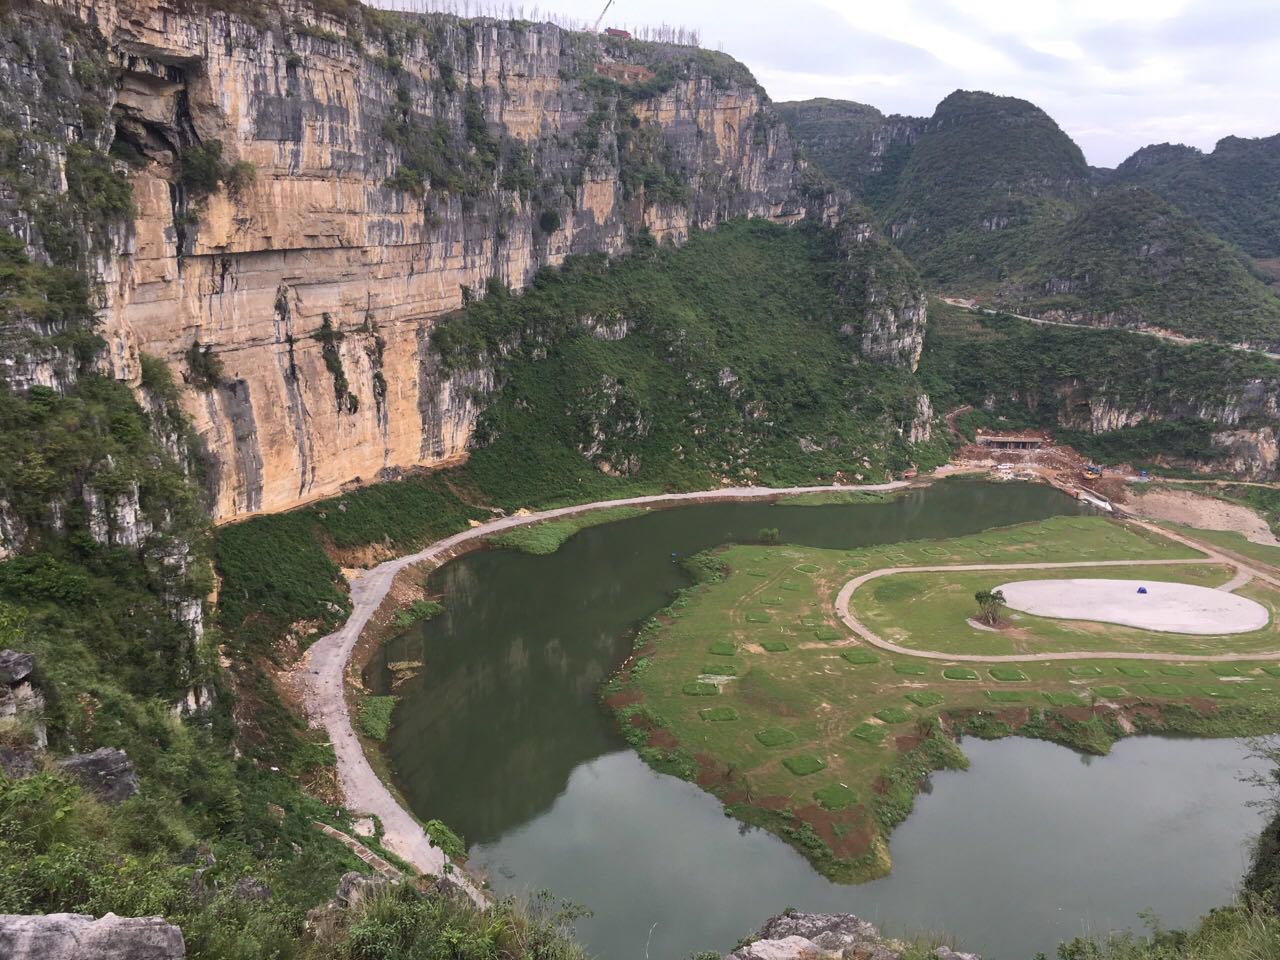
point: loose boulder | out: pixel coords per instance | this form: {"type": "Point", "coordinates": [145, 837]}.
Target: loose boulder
{"type": "Point", "coordinates": [76, 936]}
{"type": "Point", "coordinates": [107, 772]}
{"type": "Point", "coordinates": [826, 936]}
{"type": "Point", "coordinates": [354, 888]}
{"type": "Point", "coordinates": [15, 667]}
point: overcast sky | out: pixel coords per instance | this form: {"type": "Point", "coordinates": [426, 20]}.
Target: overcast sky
{"type": "Point", "coordinates": [1115, 74]}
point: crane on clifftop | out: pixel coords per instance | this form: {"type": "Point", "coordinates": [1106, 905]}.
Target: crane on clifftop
{"type": "Point", "coordinates": [596, 27]}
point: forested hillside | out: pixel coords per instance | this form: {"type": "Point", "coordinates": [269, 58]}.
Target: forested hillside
{"type": "Point", "coordinates": [1231, 190]}
{"type": "Point", "coordinates": [991, 199]}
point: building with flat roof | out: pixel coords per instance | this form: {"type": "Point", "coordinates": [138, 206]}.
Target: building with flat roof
{"type": "Point", "coordinates": [1011, 440]}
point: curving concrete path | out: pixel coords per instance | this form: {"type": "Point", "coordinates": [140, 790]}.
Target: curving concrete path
{"type": "Point", "coordinates": [323, 665]}
{"type": "Point", "coordinates": [1243, 575]}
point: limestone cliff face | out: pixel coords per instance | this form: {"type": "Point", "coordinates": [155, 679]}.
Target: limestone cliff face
{"type": "Point", "coordinates": [887, 293]}
{"type": "Point", "coordinates": [1243, 439]}
{"type": "Point", "coordinates": [369, 186]}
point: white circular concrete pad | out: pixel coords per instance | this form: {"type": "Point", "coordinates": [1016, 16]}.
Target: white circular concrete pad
{"type": "Point", "coordinates": [1165, 607]}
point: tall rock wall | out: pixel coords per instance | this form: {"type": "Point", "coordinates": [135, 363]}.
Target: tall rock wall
{"type": "Point", "coordinates": [372, 173]}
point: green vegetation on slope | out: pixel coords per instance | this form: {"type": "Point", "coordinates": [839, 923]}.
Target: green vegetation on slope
{"type": "Point", "coordinates": [1232, 191]}
{"type": "Point", "coordinates": [547, 537]}
{"type": "Point", "coordinates": [990, 198]}
{"type": "Point", "coordinates": [98, 611]}
{"type": "Point", "coordinates": [1062, 378]}
{"type": "Point", "coordinates": [403, 924]}
{"type": "Point", "coordinates": [1131, 258]}
{"type": "Point", "coordinates": [983, 187]}
{"type": "Point", "coordinates": [276, 571]}
{"type": "Point", "coordinates": [100, 506]}
{"type": "Point", "coordinates": [855, 144]}
{"type": "Point", "coordinates": [733, 364]}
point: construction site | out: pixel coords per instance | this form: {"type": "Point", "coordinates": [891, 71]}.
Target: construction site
{"type": "Point", "coordinates": [1033, 455]}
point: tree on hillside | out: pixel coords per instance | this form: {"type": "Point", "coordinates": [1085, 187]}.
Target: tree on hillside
{"type": "Point", "coordinates": [989, 604]}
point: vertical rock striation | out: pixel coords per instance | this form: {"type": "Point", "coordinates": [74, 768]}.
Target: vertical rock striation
{"type": "Point", "coordinates": [308, 200]}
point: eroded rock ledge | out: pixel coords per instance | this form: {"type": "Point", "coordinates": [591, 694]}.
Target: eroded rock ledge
{"type": "Point", "coordinates": [827, 936]}
{"type": "Point", "coordinates": [77, 936]}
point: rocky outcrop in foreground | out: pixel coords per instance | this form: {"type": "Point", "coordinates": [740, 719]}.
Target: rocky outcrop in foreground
{"type": "Point", "coordinates": [106, 772]}
{"type": "Point", "coordinates": [819, 936]}
{"type": "Point", "coordinates": [75, 936]}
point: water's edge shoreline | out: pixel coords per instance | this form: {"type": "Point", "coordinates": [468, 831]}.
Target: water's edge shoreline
{"type": "Point", "coordinates": [328, 664]}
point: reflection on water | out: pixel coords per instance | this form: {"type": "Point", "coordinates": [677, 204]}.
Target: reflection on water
{"type": "Point", "coordinates": [1021, 851]}
{"type": "Point", "coordinates": [502, 737]}
{"type": "Point", "coordinates": [507, 703]}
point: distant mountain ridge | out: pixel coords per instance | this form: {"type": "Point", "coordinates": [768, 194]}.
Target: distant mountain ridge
{"type": "Point", "coordinates": [991, 198]}
{"type": "Point", "coordinates": [1234, 190]}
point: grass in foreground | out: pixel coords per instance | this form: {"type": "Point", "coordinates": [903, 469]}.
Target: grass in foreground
{"type": "Point", "coordinates": [401, 923]}
{"type": "Point", "coordinates": [827, 715]}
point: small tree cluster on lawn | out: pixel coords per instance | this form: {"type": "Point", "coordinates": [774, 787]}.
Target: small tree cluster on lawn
{"type": "Point", "coordinates": [990, 603]}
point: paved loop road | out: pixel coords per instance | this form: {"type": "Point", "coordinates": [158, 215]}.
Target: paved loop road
{"type": "Point", "coordinates": [1243, 575]}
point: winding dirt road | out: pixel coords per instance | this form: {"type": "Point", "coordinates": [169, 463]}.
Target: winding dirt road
{"type": "Point", "coordinates": [323, 665]}
{"type": "Point", "coordinates": [1142, 331]}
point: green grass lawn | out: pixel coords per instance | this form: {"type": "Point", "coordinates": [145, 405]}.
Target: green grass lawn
{"type": "Point", "coordinates": [548, 536]}
{"type": "Point", "coordinates": [930, 611]}
{"type": "Point", "coordinates": [805, 714]}
{"type": "Point", "coordinates": [1235, 542]}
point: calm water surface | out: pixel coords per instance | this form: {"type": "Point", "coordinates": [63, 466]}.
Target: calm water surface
{"type": "Point", "coordinates": [502, 737]}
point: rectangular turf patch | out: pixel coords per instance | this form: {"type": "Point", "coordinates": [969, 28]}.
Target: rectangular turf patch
{"type": "Point", "coordinates": [869, 732]}
{"type": "Point", "coordinates": [925, 698]}
{"type": "Point", "coordinates": [774, 646]}
{"type": "Point", "coordinates": [858, 656]}
{"type": "Point", "coordinates": [1131, 671]}
{"type": "Point", "coordinates": [1006, 696]}
{"type": "Point", "coordinates": [721, 669]}
{"type": "Point", "coordinates": [723, 648]}
{"type": "Point", "coordinates": [960, 673]}
{"type": "Point", "coordinates": [718, 714]}
{"type": "Point", "coordinates": [893, 715]}
{"type": "Point", "coordinates": [1272, 670]}
{"type": "Point", "coordinates": [803, 764]}
{"type": "Point", "coordinates": [1174, 671]}
{"type": "Point", "coordinates": [1007, 674]}
{"type": "Point", "coordinates": [910, 669]}
{"type": "Point", "coordinates": [827, 634]}
{"type": "Point", "coordinates": [835, 796]}
{"type": "Point", "coordinates": [1109, 691]}
{"type": "Point", "coordinates": [1220, 693]}
{"type": "Point", "coordinates": [1085, 671]}
{"type": "Point", "coordinates": [695, 688]}
{"type": "Point", "coordinates": [759, 618]}
{"type": "Point", "coordinates": [774, 736]}
{"type": "Point", "coordinates": [1225, 670]}
{"type": "Point", "coordinates": [1064, 699]}
{"type": "Point", "coordinates": [1164, 689]}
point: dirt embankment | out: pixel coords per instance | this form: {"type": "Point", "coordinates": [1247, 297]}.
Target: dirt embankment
{"type": "Point", "coordinates": [1207, 513]}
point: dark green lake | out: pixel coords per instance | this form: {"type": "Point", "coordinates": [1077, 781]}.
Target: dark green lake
{"type": "Point", "coordinates": [501, 736]}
